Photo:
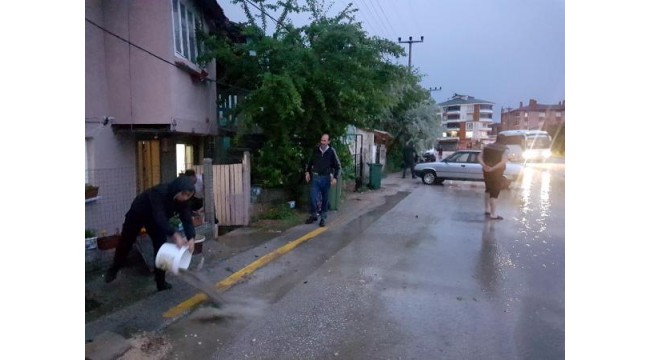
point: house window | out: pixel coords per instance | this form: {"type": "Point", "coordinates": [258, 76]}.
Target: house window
{"type": "Point", "coordinates": [186, 21]}
{"type": "Point", "coordinates": [469, 125]}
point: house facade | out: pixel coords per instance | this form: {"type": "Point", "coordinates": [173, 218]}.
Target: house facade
{"type": "Point", "coordinates": [534, 116]}
{"type": "Point", "coordinates": [150, 109]}
{"type": "Point", "coordinates": [466, 122]}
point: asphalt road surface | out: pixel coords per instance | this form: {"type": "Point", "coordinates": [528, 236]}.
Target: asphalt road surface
{"type": "Point", "coordinates": [425, 276]}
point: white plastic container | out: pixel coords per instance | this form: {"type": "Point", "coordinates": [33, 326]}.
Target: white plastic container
{"type": "Point", "coordinates": [171, 258]}
{"type": "Point", "coordinates": [91, 243]}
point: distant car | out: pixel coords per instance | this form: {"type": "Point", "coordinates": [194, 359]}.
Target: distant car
{"type": "Point", "coordinates": [461, 165]}
{"type": "Point", "coordinates": [428, 156]}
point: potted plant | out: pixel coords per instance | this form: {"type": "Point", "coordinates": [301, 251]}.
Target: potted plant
{"type": "Point", "coordinates": [91, 239]}
{"type": "Point", "coordinates": [175, 222]}
{"type": "Point", "coordinates": [91, 191]}
{"type": "Point", "coordinates": [197, 220]}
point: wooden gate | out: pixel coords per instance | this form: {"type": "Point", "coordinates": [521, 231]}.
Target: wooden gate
{"type": "Point", "coordinates": [232, 191]}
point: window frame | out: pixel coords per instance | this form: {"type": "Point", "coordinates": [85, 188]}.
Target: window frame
{"type": "Point", "coordinates": [186, 18]}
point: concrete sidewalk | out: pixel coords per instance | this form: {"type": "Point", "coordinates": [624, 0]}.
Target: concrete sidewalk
{"type": "Point", "coordinates": [132, 305]}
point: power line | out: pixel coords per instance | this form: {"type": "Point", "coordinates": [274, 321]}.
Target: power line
{"type": "Point", "coordinates": [379, 21]}
{"type": "Point", "coordinates": [414, 17]}
{"type": "Point", "coordinates": [365, 19]}
{"type": "Point", "coordinates": [264, 13]}
{"type": "Point", "coordinates": [158, 57]}
{"type": "Point", "coordinates": [385, 17]}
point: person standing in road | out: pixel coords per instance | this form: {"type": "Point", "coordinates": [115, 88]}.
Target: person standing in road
{"type": "Point", "coordinates": [152, 209]}
{"type": "Point", "coordinates": [493, 160]}
{"type": "Point", "coordinates": [323, 171]}
{"type": "Point", "coordinates": [409, 159]}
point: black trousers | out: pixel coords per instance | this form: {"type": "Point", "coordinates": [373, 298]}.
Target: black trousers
{"type": "Point", "coordinates": [130, 230]}
{"type": "Point", "coordinates": [409, 166]}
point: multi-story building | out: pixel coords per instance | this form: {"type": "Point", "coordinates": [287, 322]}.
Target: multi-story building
{"type": "Point", "coordinates": [466, 122]}
{"type": "Point", "coordinates": [532, 117]}
{"type": "Point", "coordinates": [151, 109]}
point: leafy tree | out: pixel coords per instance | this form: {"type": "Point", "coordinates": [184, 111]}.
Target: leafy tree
{"type": "Point", "coordinates": [309, 80]}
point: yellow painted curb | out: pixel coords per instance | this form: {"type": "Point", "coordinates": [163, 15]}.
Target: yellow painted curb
{"type": "Point", "coordinates": [241, 274]}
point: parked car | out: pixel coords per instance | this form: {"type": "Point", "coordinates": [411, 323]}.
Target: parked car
{"type": "Point", "coordinates": [461, 165]}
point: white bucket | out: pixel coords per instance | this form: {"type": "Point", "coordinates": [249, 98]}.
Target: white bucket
{"type": "Point", "coordinates": [171, 258]}
{"type": "Point", "coordinates": [91, 243]}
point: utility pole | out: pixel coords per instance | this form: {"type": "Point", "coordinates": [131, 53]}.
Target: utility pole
{"type": "Point", "coordinates": [438, 88]}
{"type": "Point", "coordinates": [410, 42]}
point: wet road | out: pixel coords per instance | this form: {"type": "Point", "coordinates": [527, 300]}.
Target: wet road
{"type": "Point", "coordinates": [426, 276]}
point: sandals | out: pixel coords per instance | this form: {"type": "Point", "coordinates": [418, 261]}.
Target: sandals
{"type": "Point", "coordinates": [496, 218]}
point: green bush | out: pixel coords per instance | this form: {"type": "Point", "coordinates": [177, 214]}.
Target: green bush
{"type": "Point", "coordinates": [278, 212]}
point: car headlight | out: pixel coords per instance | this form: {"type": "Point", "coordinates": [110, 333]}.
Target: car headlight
{"type": "Point", "coordinates": [547, 153]}
{"type": "Point", "coordinates": [528, 154]}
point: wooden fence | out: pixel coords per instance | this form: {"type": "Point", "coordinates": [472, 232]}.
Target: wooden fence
{"type": "Point", "coordinates": [232, 191]}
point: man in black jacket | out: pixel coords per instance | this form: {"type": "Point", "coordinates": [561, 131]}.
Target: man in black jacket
{"type": "Point", "coordinates": [152, 210]}
{"type": "Point", "coordinates": [322, 170]}
{"type": "Point", "coordinates": [409, 156]}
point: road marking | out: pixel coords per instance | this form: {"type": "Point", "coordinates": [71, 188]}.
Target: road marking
{"type": "Point", "coordinates": [233, 279]}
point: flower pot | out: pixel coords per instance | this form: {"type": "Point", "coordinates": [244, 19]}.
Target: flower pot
{"type": "Point", "coordinates": [91, 192]}
{"type": "Point", "coordinates": [198, 244]}
{"type": "Point", "coordinates": [197, 220]}
{"type": "Point", "coordinates": [108, 242]}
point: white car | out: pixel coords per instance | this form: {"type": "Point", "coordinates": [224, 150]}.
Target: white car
{"type": "Point", "coordinates": [461, 165]}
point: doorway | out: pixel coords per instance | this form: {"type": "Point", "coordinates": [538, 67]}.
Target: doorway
{"type": "Point", "coordinates": [148, 164]}
{"type": "Point", "coordinates": [184, 157]}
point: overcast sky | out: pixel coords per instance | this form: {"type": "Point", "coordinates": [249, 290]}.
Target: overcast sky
{"type": "Point", "coordinates": [504, 51]}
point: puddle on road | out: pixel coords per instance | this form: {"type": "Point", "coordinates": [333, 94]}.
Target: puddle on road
{"type": "Point", "coordinates": [362, 222]}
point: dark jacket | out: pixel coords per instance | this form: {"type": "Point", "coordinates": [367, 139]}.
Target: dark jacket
{"type": "Point", "coordinates": [409, 155]}
{"type": "Point", "coordinates": [324, 162]}
{"type": "Point", "coordinates": [492, 153]}
{"type": "Point", "coordinates": [157, 204]}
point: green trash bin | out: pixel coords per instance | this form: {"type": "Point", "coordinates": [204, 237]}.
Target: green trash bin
{"type": "Point", "coordinates": [334, 197]}
{"type": "Point", "coordinates": [375, 176]}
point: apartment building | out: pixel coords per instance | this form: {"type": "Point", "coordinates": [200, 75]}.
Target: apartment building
{"type": "Point", "coordinates": [534, 116]}
{"type": "Point", "coordinates": [466, 122]}
{"type": "Point", "coordinates": [150, 108]}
